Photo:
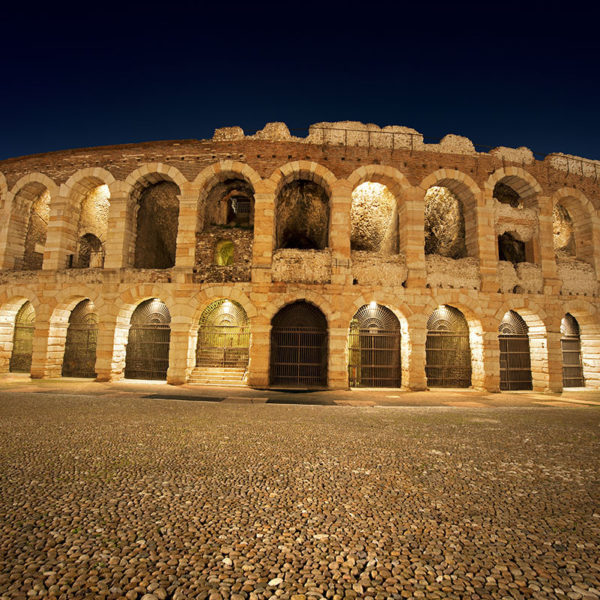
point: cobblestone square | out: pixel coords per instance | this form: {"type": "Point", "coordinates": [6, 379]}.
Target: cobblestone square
{"type": "Point", "coordinates": [121, 497]}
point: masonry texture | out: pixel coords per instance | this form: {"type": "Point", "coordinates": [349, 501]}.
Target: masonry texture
{"type": "Point", "coordinates": [351, 216]}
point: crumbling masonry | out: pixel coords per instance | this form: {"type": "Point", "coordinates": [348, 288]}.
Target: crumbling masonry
{"type": "Point", "coordinates": [355, 256]}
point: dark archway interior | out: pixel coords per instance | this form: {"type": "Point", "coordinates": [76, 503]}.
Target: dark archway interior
{"type": "Point", "coordinates": [506, 195]}
{"type": "Point", "coordinates": [157, 227]}
{"type": "Point", "coordinates": [302, 216]}
{"type": "Point", "coordinates": [511, 249]}
{"type": "Point", "coordinates": [230, 202]}
{"type": "Point", "coordinates": [91, 252]}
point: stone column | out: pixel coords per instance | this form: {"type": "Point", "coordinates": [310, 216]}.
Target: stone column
{"type": "Point", "coordinates": [489, 376]}
{"type": "Point", "coordinates": [178, 371]}
{"type": "Point", "coordinates": [546, 360]}
{"type": "Point", "coordinates": [414, 377]}
{"type": "Point", "coordinates": [264, 231]}
{"type": "Point", "coordinates": [339, 233]}
{"type": "Point", "coordinates": [545, 247]}
{"type": "Point", "coordinates": [61, 231]}
{"type": "Point", "coordinates": [121, 227]}
{"type": "Point", "coordinates": [258, 366]}
{"type": "Point", "coordinates": [110, 348]}
{"type": "Point", "coordinates": [595, 223]}
{"type": "Point", "coordinates": [411, 216]}
{"type": "Point", "coordinates": [337, 367]}
{"type": "Point", "coordinates": [487, 242]}
{"type": "Point", "coordinates": [185, 255]}
{"type": "Point", "coordinates": [41, 343]}
{"type": "Point", "coordinates": [590, 358]}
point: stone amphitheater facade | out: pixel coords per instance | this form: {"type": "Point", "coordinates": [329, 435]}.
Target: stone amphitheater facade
{"type": "Point", "coordinates": [335, 223]}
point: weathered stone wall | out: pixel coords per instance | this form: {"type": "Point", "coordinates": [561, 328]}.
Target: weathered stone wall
{"type": "Point", "coordinates": [369, 268]}
{"type": "Point", "coordinates": [302, 266]}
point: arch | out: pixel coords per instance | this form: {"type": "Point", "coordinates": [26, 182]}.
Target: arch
{"type": "Point", "coordinates": [308, 296]}
{"type": "Point", "coordinates": [147, 355]}
{"type": "Point", "coordinates": [222, 170]}
{"type": "Point", "coordinates": [79, 358]}
{"type": "Point", "coordinates": [570, 342]}
{"type": "Point", "coordinates": [469, 195]}
{"type": "Point", "coordinates": [303, 169]}
{"type": "Point", "coordinates": [448, 352]}
{"type": "Point", "coordinates": [22, 342]}
{"type": "Point", "coordinates": [85, 180]}
{"type": "Point", "coordinates": [299, 343]}
{"type": "Point", "coordinates": [515, 353]}
{"type": "Point", "coordinates": [374, 348]}
{"type": "Point", "coordinates": [518, 179]}
{"type": "Point", "coordinates": [152, 173]}
{"type": "Point", "coordinates": [392, 178]}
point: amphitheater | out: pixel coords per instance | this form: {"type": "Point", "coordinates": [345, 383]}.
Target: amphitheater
{"type": "Point", "coordinates": [357, 256]}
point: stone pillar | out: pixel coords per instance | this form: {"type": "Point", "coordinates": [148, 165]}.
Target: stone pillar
{"type": "Point", "coordinates": [590, 359]}
{"type": "Point", "coordinates": [339, 233]}
{"type": "Point", "coordinates": [414, 377]}
{"type": "Point", "coordinates": [178, 370]}
{"type": "Point", "coordinates": [121, 227]}
{"type": "Point", "coordinates": [264, 231]}
{"type": "Point", "coordinates": [258, 366]}
{"type": "Point", "coordinates": [546, 258]}
{"type": "Point", "coordinates": [411, 216]}
{"type": "Point", "coordinates": [489, 367]}
{"type": "Point", "coordinates": [595, 225]}
{"type": "Point", "coordinates": [61, 231]}
{"type": "Point", "coordinates": [41, 343]}
{"type": "Point", "coordinates": [185, 255]}
{"type": "Point", "coordinates": [110, 348]}
{"type": "Point", "coordinates": [7, 334]}
{"type": "Point", "coordinates": [546, 361]}
{"type": "Point", "coordinates": [487, 244]}
{"type": "Point", "coordinates": [337, 362]}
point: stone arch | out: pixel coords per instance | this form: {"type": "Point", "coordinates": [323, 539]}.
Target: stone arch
{"type": "Point", "coordinates": [469, 195]}
{"type": "Point", "coordinates": [3, 192]}
{"type": "Point", "coordinates": [9, 307]}
{"type": "Point", "coordinates": [30, 201]}
{"type": "Point", "coordinates": [536, 320]}
{"type": "Point", "coordinates": [154, 215]}
{"type": "Point", "coordinates": [303, 169]}
{"type": "Point", "coordinates": [307, 295]}
{"type": "Point", "coordinates": [518, 179]}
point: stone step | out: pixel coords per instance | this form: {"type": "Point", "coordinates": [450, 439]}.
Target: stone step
{"type": "Point", "coordinates": [217, 376]}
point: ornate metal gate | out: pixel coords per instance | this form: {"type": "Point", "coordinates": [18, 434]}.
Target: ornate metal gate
{"type": "Point", "coordinates": [374, 348]}
{"type": "Point", "coordinates": [148, 346]}
{"type": "Point", "coordinates": [80, 346]}
{"type": "Point", "coordinates": [515, 359]}
{"type": "Point", "coordinates": [448, 352]}
{"type": "Point", "coordinates": [20, 359]}
{"type": "Point", "coordinates": [571, 352]}
{"type": "Point", "coordinates": [299, 346]}
{"type": "Point", "coordinates": [223, 336]}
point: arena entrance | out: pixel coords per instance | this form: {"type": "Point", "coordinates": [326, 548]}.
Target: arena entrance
{"type": "Point", "coordinates": [374, 348]}
{"type": "Point", "coordinates": [20, 359]}
{"type": "Point", "coordinates": [571, 352]}
{"type": "Point", "coordinates": [515, 358]}
{"type": "Point", "coordinates": [148, 345]}
{"type": "Point", "coordinates": [299, 346]}
{"type": "Point", "coordinates": [448, 352]}
{"type": "Point", "coordinates": [80, 347]}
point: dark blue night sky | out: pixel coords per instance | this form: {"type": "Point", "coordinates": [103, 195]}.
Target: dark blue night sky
{"type": "Point", "coordinates": [498, 73]}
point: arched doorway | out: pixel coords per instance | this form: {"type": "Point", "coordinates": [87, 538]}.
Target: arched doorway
{"type": "Point", "coordinates": [515, 358]}
{"type": "Point", "coordinates": [448, 352]}
{"type": "Point", "coordinates": [223, 336]}
{"type": "Point", "coordinates": [148, 345]}
{"type": "Point", "coordinates": [299, 346]}
{"type": "Point", "coordinates": [374, 348]}
{"type": "Point", "coordinates": [20, 359]}
{"type": "Point", "coordinates": [80, 346]}
{"type": "Point", "coordinates": [571, 352]}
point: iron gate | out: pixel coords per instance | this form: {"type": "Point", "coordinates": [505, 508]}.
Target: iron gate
{"type": "Point", "coordinates": [571, 352]}
{"type": "Point", "coordinates": [299, 346]}
{"type": "Point", "coordinates": [515, 358]}
{"type": "Point", "coordinates": [148, 345]}
{"type": "Point", "coordinates": [80, 347]}
{"type": "Point", "coordinates": [448, 352]}
{"type": "Point", "coordinates": [223, 336]}
{"type": "Point", "coordinates": [374, 348]}
{"type": "Point", "coordinates": [20, 359]}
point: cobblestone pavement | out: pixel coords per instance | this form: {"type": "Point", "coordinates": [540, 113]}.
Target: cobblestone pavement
{"type": "Point", "coordinates": [122, 497]}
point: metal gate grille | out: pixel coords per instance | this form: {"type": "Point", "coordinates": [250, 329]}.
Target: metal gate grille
{"type": "Point", "coordinates": [80, 347]}
{"type": "Point", "coordinates": [223, 336]}
{"type": "Point", "coordinates": [20, 359]}
{"type": "Point", "coordinates": [571, 352]}
{"type": "Point", "coordinates": [299, 347]}
{"type": "Point", "coordinates": [448, 352]}
{"type": "Point", "coordinates": [148, 346]}
{"type": "Point", "coordinates": [515, 358]}
{"type": "Point", "coordinates": [374, 348]}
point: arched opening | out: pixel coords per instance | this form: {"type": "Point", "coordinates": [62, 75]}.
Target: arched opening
{"type": "Point", "coordinates": [223, 336]}
{"type": "Point", "coordinates": [374, 348]}
{"type": "Point", "coordinates": [571, 352]}
{"type": "Point", "coordinates": [147, 354]}
{"type": "Point", "coordinates": [515, 356]}
{"type": "Point", "coordinates": [564, 232]}
{"type": "Point", "coordinates": [156, 227]}
{"type": "Point", "coordinates": [505, 194]}
{"type": "Point", "coordinates": [20, 359]}
{"type": "Point", "coordinates": [224, 253]}
{"type": "Point", "coordinates": [444, 223]}
{"type": "Point", "coordinates": [37, 230]}
{"type": "Point", "coordinates": [91, 252]}
{"type": "Point", "coordinates": [92, 229]}
{"type": "Point", "coordinates": [302, 216]}
{"type": "Point", "coordinates": [299, 346]}
{"type": "Point", "coordinates": [511, 248]}
{"type": "Point", "coordinates": [448, 352]}
{"type": "Point", "coordinates": [374, 219]}
{"type": "Point", "coordinates": [80, 346]}
{"type": "Point", "coordinates": [230, 203]}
